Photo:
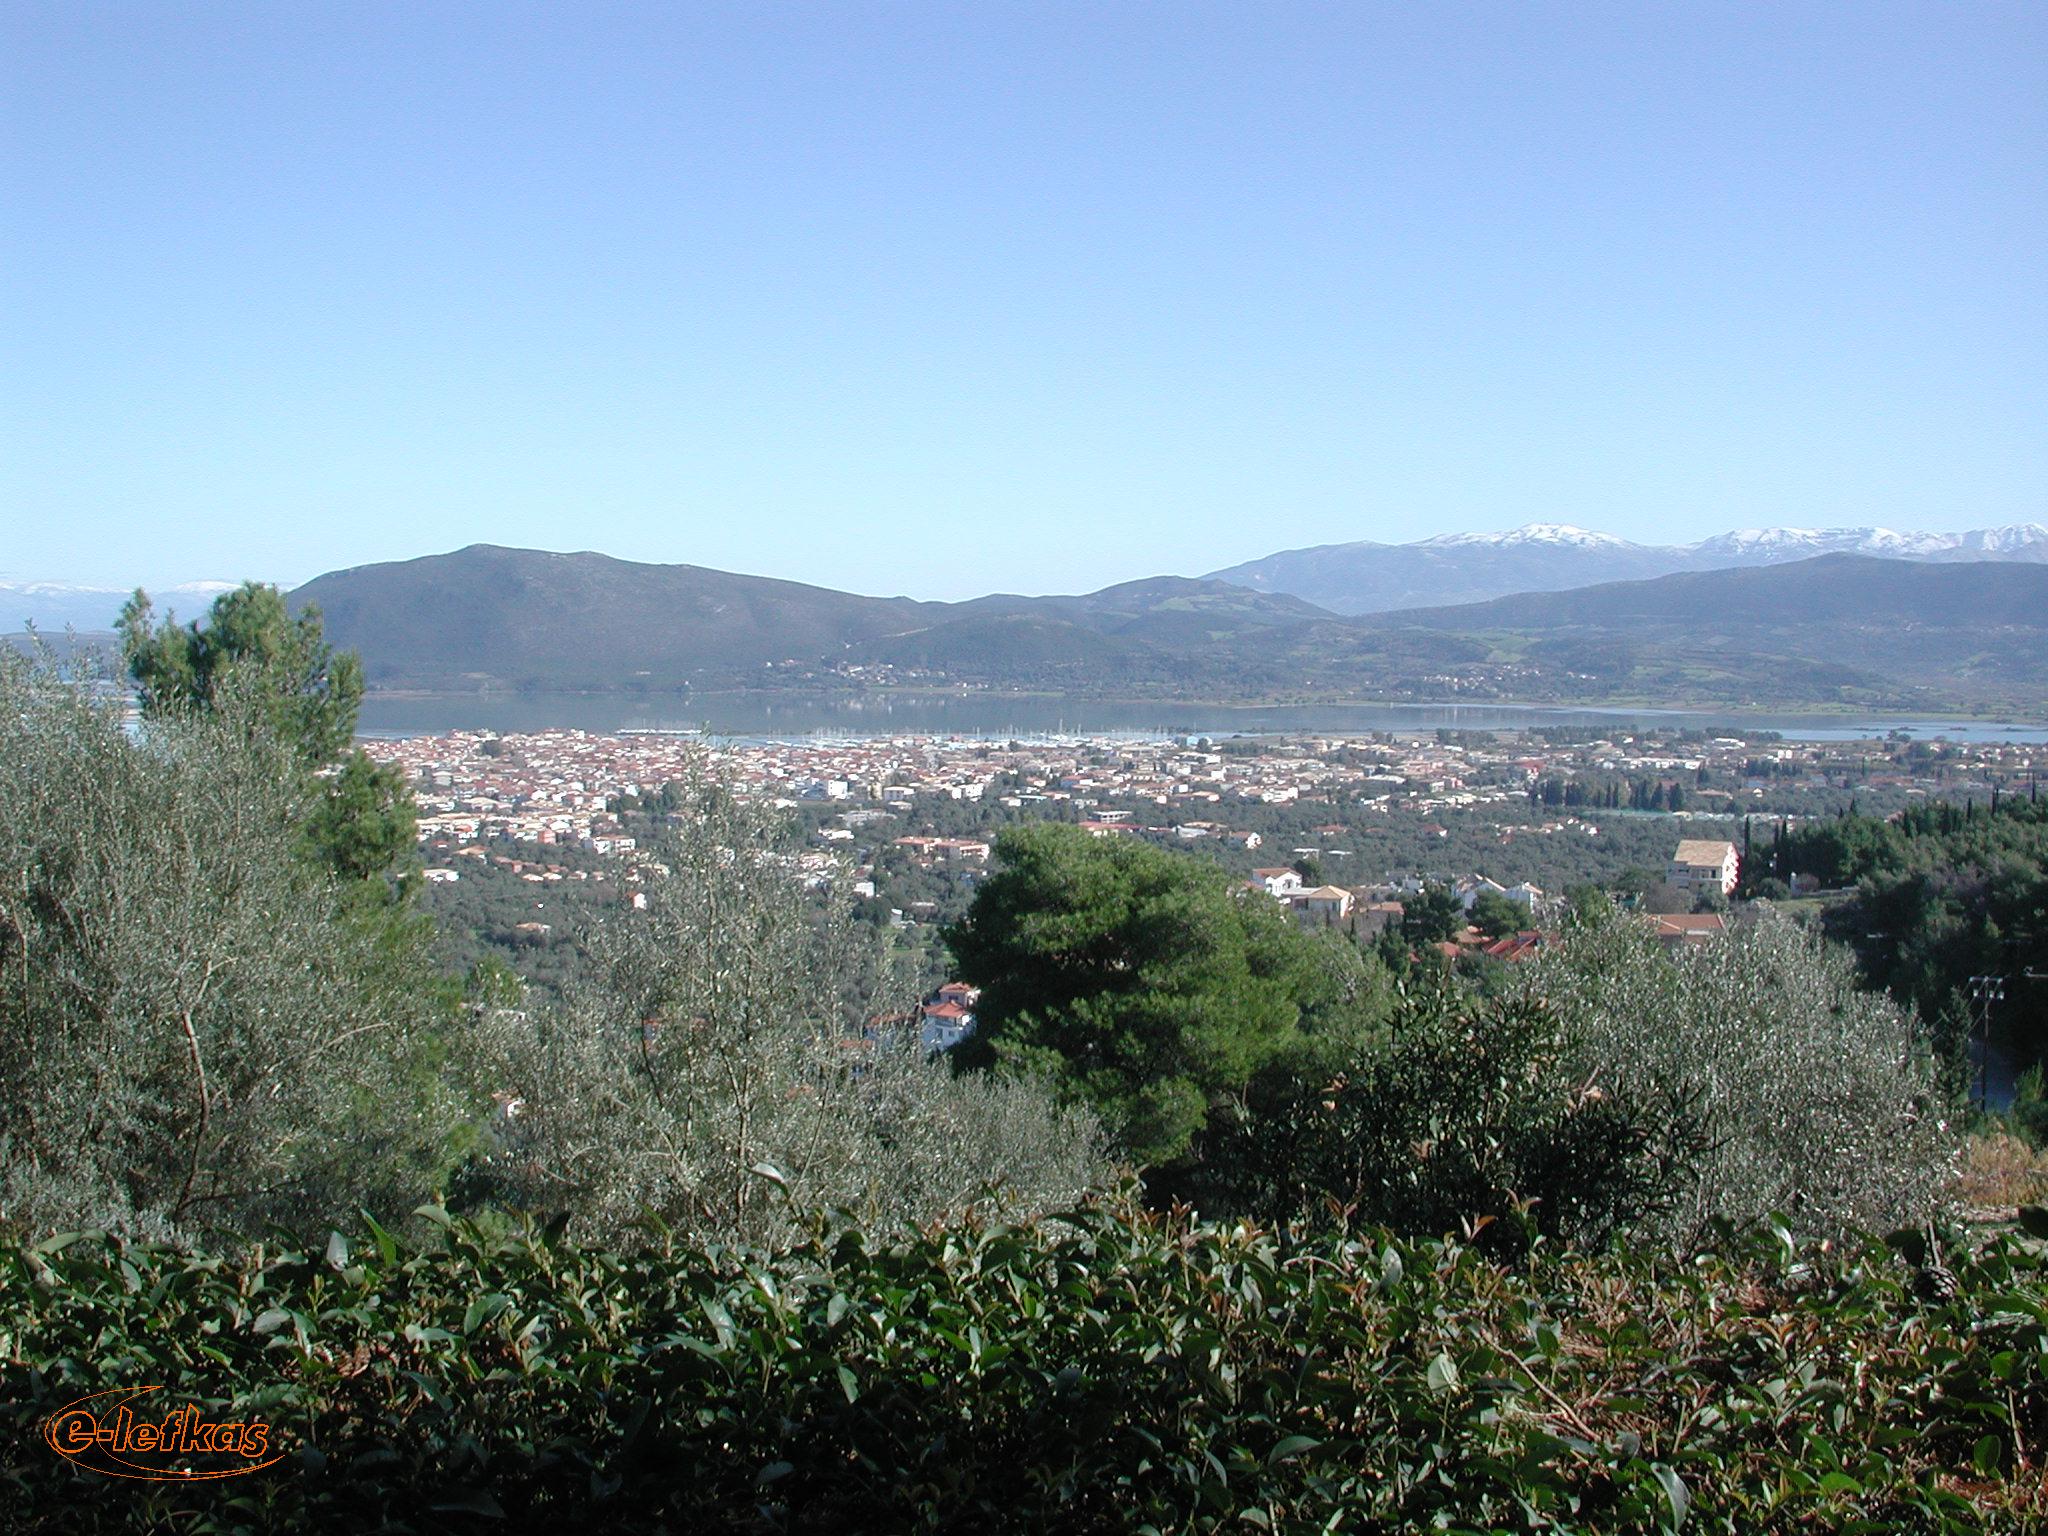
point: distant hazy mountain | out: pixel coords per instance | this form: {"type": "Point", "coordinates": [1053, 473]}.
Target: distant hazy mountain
{"type": "Point", "coordinates": [486, 616]}
{"type": "Point", "coordinates": [527, 618]}
{"type": "Point", "coordinates": [1840, 625]}
{"type": "Point", "coordinates": [1169, 610]}
{"type": "Point", "coordinates": [1554, 557]}
{"type": "Point", "coordinates": [1843, 628]}
{"type": "Point", "coordinates": [53, 605]}
{"type": "Point", "coordinates": [1139, 633]}
{"type": "Point", "coordinates": [1835, 589]}
{"type": "Point", "coordinates": [1840, 628]}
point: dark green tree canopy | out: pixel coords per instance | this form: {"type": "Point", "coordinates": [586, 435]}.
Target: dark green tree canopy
{"type": "Point", "coordinates": [1432, 915]}
{"type": "Point", "coordinates": [1146, 983]}
{"type": "Point", "coordinates": [280, 668]}
{"type": "Point", "coordinates": [1497, 916]}
{"type": "Point", "coordinates": [365, 825]}
{"type": "Point", "coordinates": [312, 692]}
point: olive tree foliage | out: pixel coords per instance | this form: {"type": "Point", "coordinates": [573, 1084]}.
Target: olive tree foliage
{"type": "Point", "coordinates": [1809, 1098]}
{"type": "Point", "coordinates": [717, 1076]}
{"type": "Point", "coordinates": [191, 1037]}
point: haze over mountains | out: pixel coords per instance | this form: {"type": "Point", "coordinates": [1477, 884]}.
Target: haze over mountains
{"type": "Point", "coordinates": [1834, 627]}
{"type": "Point", "coordinates": [489, 616]}
{"type": "Point", "coordinates": [1842, 628]}
{"type": "Point", "coordinates": [1940, 621]}
{"type": "Point", "coordinates": [1365, 577]}
{"type": "Point", "coordinates": [1358, 577]}
{"type": "Point", "coordinates": [55, 605]}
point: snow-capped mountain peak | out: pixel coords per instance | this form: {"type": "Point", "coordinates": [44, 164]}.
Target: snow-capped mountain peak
{"type": "Point", "coordinates": [1560, 535]}
{"type": "Point", "coordinates": [1774, 544]}
{"type": "Point", "coordinates": [1554, 557]}
{"type": "Point", "coordinates": [2002, 541]}
{"type": "Point", "coordinates": [52, 605]}
{"type": "Point", "coordinates": [1759, 538]}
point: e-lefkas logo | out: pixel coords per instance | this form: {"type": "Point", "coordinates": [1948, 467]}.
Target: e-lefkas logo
{"type": "Point", "coordinates": [103, 1433]}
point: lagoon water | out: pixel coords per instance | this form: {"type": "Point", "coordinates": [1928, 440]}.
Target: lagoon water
{"type": "Point", "coordinates": [779, 717]}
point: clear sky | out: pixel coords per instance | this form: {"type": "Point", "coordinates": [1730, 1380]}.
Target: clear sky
{"type": "Point", "coordinates": [943, 299]}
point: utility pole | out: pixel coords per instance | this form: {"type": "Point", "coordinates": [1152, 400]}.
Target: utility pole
{"type": "Point", "coordinates": [1984, 991]}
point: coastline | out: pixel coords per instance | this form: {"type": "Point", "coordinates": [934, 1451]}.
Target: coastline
{"type": "Point", "coordinates": [2019, 717]}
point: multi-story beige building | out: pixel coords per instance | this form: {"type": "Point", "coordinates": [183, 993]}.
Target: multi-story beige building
{"type": "Point", "coordinates": [1702, 864]}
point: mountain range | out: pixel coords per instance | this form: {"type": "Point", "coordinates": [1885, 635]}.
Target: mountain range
{"type": "Point", "coordinates": [57, 605]}
{"type": "Point", "coordinates": [487, 616]}
{"type": "Point", "coordinates": [1853, 629]}
{"type": "Point", "coordinates": [1360, 577]}
{"type": "Point", "coordinates": [1875, 619]}
{"type": "Point", "coordinates": [1365, 577]}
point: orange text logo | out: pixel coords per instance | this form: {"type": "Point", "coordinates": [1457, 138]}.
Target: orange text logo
{"type": "Point", "coordinates": [106, 1433]}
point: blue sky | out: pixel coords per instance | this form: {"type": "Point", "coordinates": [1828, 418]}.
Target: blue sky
{"type": "Point", "coordinates": [947, 299]}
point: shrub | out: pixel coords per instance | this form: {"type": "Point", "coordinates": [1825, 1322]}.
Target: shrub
{"type": "Point", "coordinates": [1474, 1117]}
{"type": "Point", "coordinates": [1614, 1090]}
{"type": "Point", "coordinates": [1104, 1372]}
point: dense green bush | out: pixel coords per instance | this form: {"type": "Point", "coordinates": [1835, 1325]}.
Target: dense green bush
{"type": "Point", "coordinates": [1476, 1117]}
{"type": "Point", "coordinates": [1613, 1090]}
{"type": "Point", "coordinates": [1105, 1371]}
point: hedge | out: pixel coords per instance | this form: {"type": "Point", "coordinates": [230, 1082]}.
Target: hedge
{"type": "Point", "coordinates": [1103, 1371]}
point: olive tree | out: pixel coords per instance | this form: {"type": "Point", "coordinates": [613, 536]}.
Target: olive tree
{"type": "Point", "coordinates": [192, 1036]}
{"type": "Point", "coordinates": [717, 1076]}
{"type": "Point", "coordinates": [1811, 1098]}
{"type": "Point", "coordinates": [1469, 1117]}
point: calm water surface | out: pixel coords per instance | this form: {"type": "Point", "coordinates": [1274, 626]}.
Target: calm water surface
{"type": "Point", "coordinates": [784, 717]}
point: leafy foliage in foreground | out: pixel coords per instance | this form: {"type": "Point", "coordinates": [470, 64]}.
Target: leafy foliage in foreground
{"type": "Point", "coordinates": [1105, 1371]}
{"type": "Point", "coordinates": [1613, 1092]}
{"type": "Point", "coordinates": [1470, 1117]}
{"type": "Point", "coordinates": [716, 1075]}
{"type": "Point", "coordinates": [1810, 1097]}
